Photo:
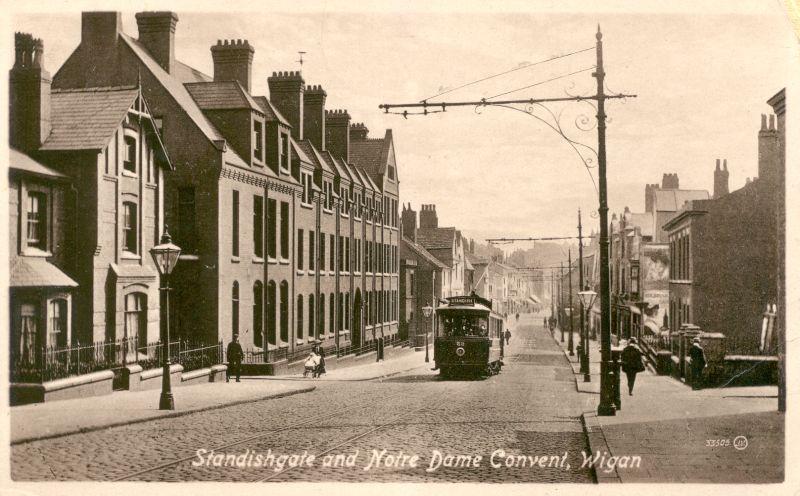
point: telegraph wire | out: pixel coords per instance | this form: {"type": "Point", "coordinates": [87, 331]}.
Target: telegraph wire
{"type": "Point", "coordinates": [507, 72]}
{"type": "Point", "coordinates": [543, 82]}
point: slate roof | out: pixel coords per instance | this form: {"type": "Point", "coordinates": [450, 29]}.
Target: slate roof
{"type": "Point", "coordinates": [85, 119]}
{"type": "Point", "coordinates": [422, 252]}
{"type": "Point", "coordinates": [369, 155]}
{"type": "Point", "coordinates": [269, 110]}
{"type": "Point", "coordinates": [314, 155]}
{"type": "Point", "coordinates": [31, 272]}
{"type": "Point", "coordinates": [436, 237]}
{"type": "Point", "coordinates": [23, 162]}
{"type": "Point", "coordinates": [363, 176]}
{"type": "Point", "coordinates": [187, 74]}
{"type": "Point", "coordinates": [644, 221]}
{"type": "Point", "coordinates": [180, 94]}
{"type": "Point", "coordinates": [671, 200]}
{"type": "Point", "coordinates": [222, 95]}
{"type": "Point", "coordinates": [299, 152]}
{"type": "Point", "coordinates": [337, 166]}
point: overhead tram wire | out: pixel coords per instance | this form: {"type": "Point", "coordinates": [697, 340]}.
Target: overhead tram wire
{"type": "Point", "coordinates": [507, 72]}
{"type": "Point", "coordinates": [552, 238]}
{"type": "Point", "coordinates": [543, 82]}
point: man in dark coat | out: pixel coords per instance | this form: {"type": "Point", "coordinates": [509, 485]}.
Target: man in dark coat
{"type": "Point", "coordinates": [235, 355]}
{"type": "Point", "coordinates": [508, 335]}
{"type": "Point", "coordinates": [321, 352]}
{"type": "Point", "coordinates": [632, 363]}
{"type": "Point", "coordinates": [698, 357]}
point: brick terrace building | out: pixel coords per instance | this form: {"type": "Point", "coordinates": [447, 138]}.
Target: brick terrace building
{"type": "Point", "coordinates": [272, 216]}
{"type": "Point", "coordinates": [420, 281]}
{"type": "Point", "coordinates": [724, 252]}
{"type": "Point", "coordinates": [86, 193]}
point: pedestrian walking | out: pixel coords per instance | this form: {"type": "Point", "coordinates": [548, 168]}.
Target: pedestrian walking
{"type": "Point", "coordinates": [545, 322]}
{"type": "Point", "coordinates": [632, 363]}
{"type": "Point", "coordinates": [698, 356]}
{"type": "Point", "coordinates": [321, 353]}
{"type": "Point", "coordinates": [508, 335]}
{"type": "Point", "coordinates": [517, 317]}
{"type": "Point", "coordinates": [235, 355]}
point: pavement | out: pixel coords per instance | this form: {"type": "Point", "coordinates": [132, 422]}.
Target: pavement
{"type": "Point", "coordinates": [715, 435]}
{"type": "Point", "coordinates": [59, 418]}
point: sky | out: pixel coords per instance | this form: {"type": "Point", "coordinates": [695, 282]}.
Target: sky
{"type": "Point", "coordinates": [702, 73]}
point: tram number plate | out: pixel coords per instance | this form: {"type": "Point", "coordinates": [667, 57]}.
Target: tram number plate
{"type": "Point", "coordinates": [459, 343]}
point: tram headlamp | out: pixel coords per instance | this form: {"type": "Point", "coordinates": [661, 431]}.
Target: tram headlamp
{"type": "Point", "coordinates": [460, 352]}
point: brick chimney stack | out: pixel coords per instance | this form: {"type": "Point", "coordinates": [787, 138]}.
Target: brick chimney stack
{"type": "Point", "coordinates": [721, 179]}
{"type": "Point", "coordinates": [286, 91]}
{"type": "Point", "coordinates": [427, 217]}
{"type": "Point", "coordinates": [157, 34]}
{"type": "Point", "coordinates": [408, 222]}
{"type": "Point", "coordinates": [314, 115]}
{"type": "Point", "coordinates": [233, 61]}
{"type": "Point", "coordinates": [337, 133]}
{"type": "Point", "coordinates": [358, 132]}
{"type": "Point", "coordinates": [670, 181]}
{"type": "Point", "coordinates": [650, 196]}
{"type": "Point", "coordinates": [769, 155]}
{"type": "Point", "coordinates": [29, 94]}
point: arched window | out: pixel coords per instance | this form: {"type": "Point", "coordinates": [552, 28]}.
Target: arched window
{"type": "Point", "coordinates": [322, 315]}
{"type": "Point", "coordinates": [284, 312]}
{"type": "Point", "coordinates": [258, 314]}
{"type": "Point", "coordinates": [332, 310]}
{"type": "Point", "coordinates": [300, 307]}
{"type": "Point", "coordinates": [271, 307]}
{"type": "Point", "coordinates": [235, 308]}
{"type": "Point", "coordinates": [136, 317]}
{"type": "Point", "coordinates": [311, 321]}
{"type": "Point", "coordinates": [57, 329]}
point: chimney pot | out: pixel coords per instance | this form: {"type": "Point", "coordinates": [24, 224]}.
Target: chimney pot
{"type": "Point", "coordinates": [29, 95]}
{"type": "Point", "coordinates": [157, 34]}
{"type": "Point", "coordinates": [286, 91]}
{"type": "Point", "coordinates": [314, 115]}
{"type": "Point", "coordinates": [233, 62]}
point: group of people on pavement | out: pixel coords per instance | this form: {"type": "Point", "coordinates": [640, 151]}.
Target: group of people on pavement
{"type": "Point", "coordinates": [315, 362]}
{"type": "Point", "coordinates": [632, 363]}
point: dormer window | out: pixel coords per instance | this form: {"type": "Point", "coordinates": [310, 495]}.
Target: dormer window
{"type": "Point", "coordinates": [391, 172]}
{"type": "Point", "coordinates": [129, 163]}
{"type": "Point", "coordinates": [258, 141]}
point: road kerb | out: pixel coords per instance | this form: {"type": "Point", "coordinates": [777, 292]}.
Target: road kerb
{"type": "Point", "coordinates": [596, 439]}
{"type": "Point", "coordinates": [166, 414]}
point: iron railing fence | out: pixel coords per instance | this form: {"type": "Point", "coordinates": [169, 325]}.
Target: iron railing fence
{"type": "Point", "coordinates": [49, 363]}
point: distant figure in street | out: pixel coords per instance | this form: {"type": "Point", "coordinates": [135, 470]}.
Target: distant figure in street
{"type": "Point", "coordinates": [311, 364]}
{"type": "Point", "coordinates": [517, 316]}
{"type": "Point", "coordinates": [321, 353]}
{"type": "Point", "coordinates": [234, 355]}
{"type": "Point", "coordinates": [632, 363]}
{"type": "Point", "coordinates": [545, 322]}
{"type": "Point", "coordinates": [508, 335]}
{"type": "Point", "coordinates": [698, 357]}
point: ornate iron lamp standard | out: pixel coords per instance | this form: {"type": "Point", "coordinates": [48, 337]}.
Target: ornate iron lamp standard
{"type": "Point", "coordinates": [587, 297]}
{"type": "Point", "coordinates": [427, 311]}
{"type": "Point", "coordinates": [165, 255]}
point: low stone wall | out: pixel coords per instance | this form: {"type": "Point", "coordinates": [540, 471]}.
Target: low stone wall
{"type": "Point", "coordinates": [141, 380]}
{"type": "Point", "coordinates": [93, 384]}
{"type": "Point", "coordinates": [216, 373]}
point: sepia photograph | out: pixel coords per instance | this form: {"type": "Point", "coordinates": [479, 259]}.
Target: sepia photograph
{"type": "Point", "coordinates": [401, 243]}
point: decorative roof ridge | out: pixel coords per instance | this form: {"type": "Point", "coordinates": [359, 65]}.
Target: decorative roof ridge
{"type": "Point", "coordinates": [94, 89]}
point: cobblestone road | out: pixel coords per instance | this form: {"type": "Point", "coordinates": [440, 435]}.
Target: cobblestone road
{"type": "Point", "coordinates": [531, 408]}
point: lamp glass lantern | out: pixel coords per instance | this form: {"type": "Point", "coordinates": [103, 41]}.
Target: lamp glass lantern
{"type": "Point", "coordinates": [587, 298]}
{"type": "Point", "coordinates": [165, 255]}
{"type": "Point", "coordinates": [427, 310]}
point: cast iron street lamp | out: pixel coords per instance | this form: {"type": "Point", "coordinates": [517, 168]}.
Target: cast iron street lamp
{"type": "Point", "coordinates": [427, 311]}
{"type": "Point", "coordinates": [587, 297]}
{"type": "Point", "coordinates": [165, 255]}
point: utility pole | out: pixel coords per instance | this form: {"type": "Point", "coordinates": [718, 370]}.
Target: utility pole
{"type": "Point", "coordinates": [584, 331]}
{"type": "Point", "coordinates": [571, 328]}
{"type": "Point", "coordinates": [606, 406]}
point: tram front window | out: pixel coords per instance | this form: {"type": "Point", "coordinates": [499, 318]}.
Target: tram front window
{"type": "Point", "coordinates": [465, 325]}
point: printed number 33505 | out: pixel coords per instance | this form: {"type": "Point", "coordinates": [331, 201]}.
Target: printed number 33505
{"type": "Point", "coordinates": [717, 443]}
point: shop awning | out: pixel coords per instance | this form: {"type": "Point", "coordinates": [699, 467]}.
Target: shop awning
{"type": "Point", "coordinates": [33, 272]}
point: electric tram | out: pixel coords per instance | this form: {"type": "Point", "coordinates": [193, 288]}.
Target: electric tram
{"type": "Point", "coordinates": [469, 340]}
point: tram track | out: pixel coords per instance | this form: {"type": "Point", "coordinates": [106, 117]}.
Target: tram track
{"type": "Point", "coordinates": [260, 435]}
{"type": "Point", "coordinates": [361, 435]}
